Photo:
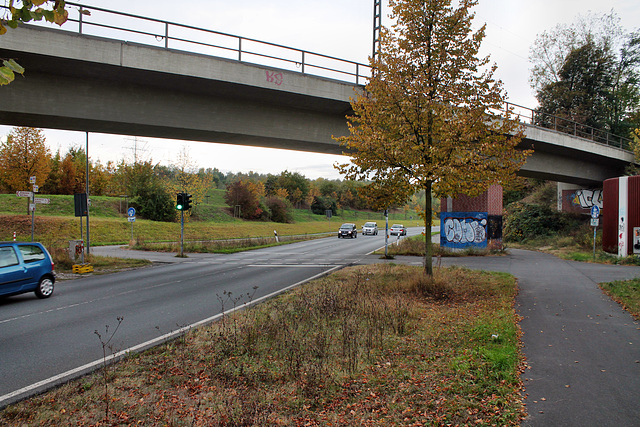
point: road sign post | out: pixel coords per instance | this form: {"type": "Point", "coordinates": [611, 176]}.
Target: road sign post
{"type": "Point", "coordinates": [132, 218]}
{"type": "Point", "coordinates": [32, 207]}
{"type": "Point", "coordinates": [386, 233]}
{"type": "Point", "coordinates": [31, 210]}
{"type": "Point", "coordinates": [595, 214]}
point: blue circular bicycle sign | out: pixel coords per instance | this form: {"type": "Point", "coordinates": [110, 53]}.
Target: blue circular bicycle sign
{"type": "Point", "coordinates": [595, 211]}
{"type": "Point", "coordinates": [131, 212]}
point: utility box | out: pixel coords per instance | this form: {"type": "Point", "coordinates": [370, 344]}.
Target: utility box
{"type": "Point", "coordinates": [76, 247]}
{"type": "Point", "coordinates": [636, 240]}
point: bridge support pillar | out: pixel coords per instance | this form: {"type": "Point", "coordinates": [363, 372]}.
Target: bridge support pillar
{"type": "Point", "coordinates": [472, 222]}
{"type": "Point", "coordinates": [621, 216]}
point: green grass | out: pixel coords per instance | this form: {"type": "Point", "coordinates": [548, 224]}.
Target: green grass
{"type": "Point", "coordinates": [625, 292]}
{"type": "Point", "coordinates": [371, 345]}
{"type": "Point", "coordinates": [55, 223]}
{"type": "Point", "coordinates": [101, 206]}
{"type": "Point", "coordinates": [58, 230]}
{"type": "Point", "coordinates": [224, 246]}
{"type": "Point", "coordinates": [577, 246]}
{"type": "Point", "coordinates": [212, 208]}
{"type": "Point", "coordinates": [601, 257]}
{"type": "Point", "coordinates": [415, 246]}
{"type": "Point", "coordinates": [215, 198]}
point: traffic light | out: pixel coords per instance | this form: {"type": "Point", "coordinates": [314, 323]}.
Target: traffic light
{"type": "Point", "coordinates": [187, 201]}
{"type": "Point", "coordinates": [180, 201]}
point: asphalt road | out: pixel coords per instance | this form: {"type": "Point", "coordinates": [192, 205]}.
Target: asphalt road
{"type": "Point", "coordinates": [45, 342]}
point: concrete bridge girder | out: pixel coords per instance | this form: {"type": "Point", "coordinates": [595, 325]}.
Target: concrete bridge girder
{"type": "Point", "coordinates": [119, 108]}
{"type": "Point", "coordinates": [566, 158]}
{"type": "Point", "coordinates": [93, 84]}
{"type": "Point", "coordinates": [566, 169]}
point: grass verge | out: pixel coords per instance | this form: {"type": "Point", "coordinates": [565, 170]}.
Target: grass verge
{"type": "Point", "coordinates": [57, 231]}
{"type": "Point", "coordinates": [414, 246]}
{"type": "Point", "coordinates": [574, 245]}
{"type": "Point", "coordinates": [224, 246]}
{"type": "Point", "coordinates": [101, 264]}
{"type": "Point", "coordinates": [370, 345]}
{"type": "Point", "coordinates": [626, 293]}
{"type": "Point", "coordinates": [600, 258]}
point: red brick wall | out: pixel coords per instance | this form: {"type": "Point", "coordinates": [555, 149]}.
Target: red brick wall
{"type": "Point", "coordinates": [495, 200]}
{"type": "Point", "coordinates": [490, 201]}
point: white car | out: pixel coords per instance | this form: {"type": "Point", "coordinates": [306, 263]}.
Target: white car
{"type": "Point", "coordinates": [370, 228]}
{"type": "Point", "coordinates": [398, 229]}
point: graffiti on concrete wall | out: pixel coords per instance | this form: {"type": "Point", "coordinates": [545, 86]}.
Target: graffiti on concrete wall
{"type": "Point", "coordinates": [463, 229]}
{"type": "Point", "coordinates": [587, 198]}
{"type": "Point", "coordinates": [273, 77]}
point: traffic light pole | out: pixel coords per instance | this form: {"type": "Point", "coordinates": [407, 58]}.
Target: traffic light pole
{"type": "Point", "coordinates": [183, 202]}
{"type": "Point", "coordinates": [181, 234]}
{"type": "Point", "coordinates": [386, 233]}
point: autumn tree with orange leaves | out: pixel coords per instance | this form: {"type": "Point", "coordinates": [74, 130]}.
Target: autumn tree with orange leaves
{"type": "Point", "coordinates": [427, 119]}
{"type": "Point", "coordinates": [23, 155]}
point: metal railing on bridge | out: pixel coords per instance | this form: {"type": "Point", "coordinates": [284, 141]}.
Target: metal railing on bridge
{"type": "Point", "coordinates": [171, 35]}
{"type": "Point", "coordinates": [549, 121]}
{"type": "Point", "coordinates": [96, 21]}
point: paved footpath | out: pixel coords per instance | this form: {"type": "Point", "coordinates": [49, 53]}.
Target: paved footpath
{"type": "Point", "coordinates": [582, 349]}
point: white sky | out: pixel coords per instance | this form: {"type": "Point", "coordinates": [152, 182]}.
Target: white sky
{"type": "Point", "coordinates": [340, 28]}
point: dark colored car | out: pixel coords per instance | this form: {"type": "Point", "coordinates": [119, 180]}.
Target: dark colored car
{"type": "Point", "coordinates": [398, 229]}
{"type": "Point", "coordinates": [348, 230]}
{"type": "Point", "coordinates": [26, 267]}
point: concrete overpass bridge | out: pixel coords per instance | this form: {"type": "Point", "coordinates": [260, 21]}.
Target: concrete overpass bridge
{"type": "Point", "coordinates": [291, 100]}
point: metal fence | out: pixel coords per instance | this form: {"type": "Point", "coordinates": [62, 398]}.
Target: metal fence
{"type": "Point", "coordinates": [548, 121]}
{"type": "Point", "coordinates": [96, 21]}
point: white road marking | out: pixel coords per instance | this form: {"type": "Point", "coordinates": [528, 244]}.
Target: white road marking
{"type": "Point", "coordinates": [292, 265]}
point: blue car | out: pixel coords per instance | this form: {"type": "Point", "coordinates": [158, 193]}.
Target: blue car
{"type": "Point", "coordinates": [26, 267]}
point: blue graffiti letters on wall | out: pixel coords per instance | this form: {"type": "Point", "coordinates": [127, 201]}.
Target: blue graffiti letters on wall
{"type": "Point", "coordinates": [460, 230]}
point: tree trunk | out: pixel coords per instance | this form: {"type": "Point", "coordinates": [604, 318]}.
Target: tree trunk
{"type": "Point", "coordinates": [428, 220]}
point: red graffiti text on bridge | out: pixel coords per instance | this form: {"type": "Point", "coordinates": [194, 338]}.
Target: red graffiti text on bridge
{"type": "Point", "coordinates": [273, 77]}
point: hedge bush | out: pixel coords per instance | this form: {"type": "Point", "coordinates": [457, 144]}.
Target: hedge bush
{"type": "Point", "coordinates": [524, 221]}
